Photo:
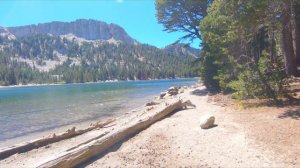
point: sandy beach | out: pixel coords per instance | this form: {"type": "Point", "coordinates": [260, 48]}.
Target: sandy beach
{"type": "Point", "coordinates": [240, 138]}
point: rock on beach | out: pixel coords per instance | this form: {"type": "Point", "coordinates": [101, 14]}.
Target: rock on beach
{"type": "Point", "coordinates": [207, 121]}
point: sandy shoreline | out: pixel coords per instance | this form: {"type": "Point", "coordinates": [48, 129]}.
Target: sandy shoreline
{"type": "Point", "coordinates": [257, 137]}
{"type": "Point", "coordinates": [178, 141]}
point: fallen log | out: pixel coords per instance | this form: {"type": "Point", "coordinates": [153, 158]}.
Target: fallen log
{"type": "Point", "coordinates": [27, 146]}
{"type": "Point", "coordinates": [76, 156]}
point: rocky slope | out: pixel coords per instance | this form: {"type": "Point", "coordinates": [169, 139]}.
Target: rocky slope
{"type": "Point", "coordinates": [82, 28]}
{"type": "Point", "coordinates": [183, 49]}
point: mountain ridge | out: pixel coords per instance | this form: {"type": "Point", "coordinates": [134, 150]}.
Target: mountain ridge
{"type": "Point", "coordinates": [88, 29]}
{"type": "Point", "coordinates": [182, 48]}
{"type": "Point", "coordinates": [41, 54]}
{"type": "Point", "coordinates": [113, 32]}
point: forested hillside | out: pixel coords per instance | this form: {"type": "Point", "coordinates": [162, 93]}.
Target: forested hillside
{"type": "Point", "coordinates": [45, 58]}
{"type": "Point", "coordinates": [250, 48]}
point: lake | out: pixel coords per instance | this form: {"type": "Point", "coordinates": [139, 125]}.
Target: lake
{"type": "Point", "coordinates": [27, 110]}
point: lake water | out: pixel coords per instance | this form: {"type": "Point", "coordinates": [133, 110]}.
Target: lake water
{"type": "Point", "coordinates": [26, 110]}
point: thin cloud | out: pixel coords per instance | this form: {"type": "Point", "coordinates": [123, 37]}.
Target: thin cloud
{"type": "Point", "coordinates": [120, 1]}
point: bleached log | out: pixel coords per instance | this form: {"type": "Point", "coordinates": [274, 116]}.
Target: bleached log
{"type": "Point", "coordinates": [76, 156]}
{"type": "Point", "coordinates": [27, 146]}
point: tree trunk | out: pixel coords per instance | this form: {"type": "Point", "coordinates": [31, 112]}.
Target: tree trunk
{"type": "Point", "coordinates": [297, 30]}
{"type": "Point", "coordinates": [287, 41]}
{"type": "Point", "coordinates": [272, 40]}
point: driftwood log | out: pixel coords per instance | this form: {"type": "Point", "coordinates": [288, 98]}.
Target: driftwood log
{"type": "Point", "coordinates": [82, 153]}
{"type": "Point", "coordinates": [24, 147]}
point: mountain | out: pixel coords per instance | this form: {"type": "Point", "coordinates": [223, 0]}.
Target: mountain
{"type": "Point", "coordinates": [82, 28]}
{"type": "Point", "coordinates": [185, 49]}
{"type": "Point", "coordinates": [5, 34]}
{"type": "Point", "coordinates": [84, 51]}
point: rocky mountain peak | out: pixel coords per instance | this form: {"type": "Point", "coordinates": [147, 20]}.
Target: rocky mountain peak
{"type": "Point", "coordinates": [88, 29]}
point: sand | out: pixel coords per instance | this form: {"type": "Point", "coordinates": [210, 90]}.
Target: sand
{"type": "Point", "coordinates": [241, 138]}
{"type": "Point", "coordinates": [178, 141]}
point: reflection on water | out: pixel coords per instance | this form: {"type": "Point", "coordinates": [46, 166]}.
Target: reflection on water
{"type": "Point", "coordinates": [24, 110]}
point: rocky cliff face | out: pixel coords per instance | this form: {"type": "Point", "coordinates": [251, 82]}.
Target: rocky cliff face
{"type": "Point", "coordinates": [82, 28]}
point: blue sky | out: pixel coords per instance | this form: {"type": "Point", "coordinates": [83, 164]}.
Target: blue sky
{"type": "Point", "coordinates": [137, 17]}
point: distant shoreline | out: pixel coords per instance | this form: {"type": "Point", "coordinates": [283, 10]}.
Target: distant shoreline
{"type": "Point", "coordinates": [107, 81]}
{"type": "Point", "coordinates": [30, 85]}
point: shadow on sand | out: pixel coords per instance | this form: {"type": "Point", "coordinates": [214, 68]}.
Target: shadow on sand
{"type": "Point", "coordinates": [292, 113]}
{"type": "Point", "coordinates": [213, 126]}
{"type": "Point", "coordinates": [200, 92]}
{"type": "Point", "coordinates": [114, 148]}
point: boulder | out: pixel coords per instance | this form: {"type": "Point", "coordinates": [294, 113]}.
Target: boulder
{"type": "Point", "coordinates": [207, 121]}
{"type": "Point", "coordinates": [162, 94]}
{"type": "Point", "coordinates": [173, 90]}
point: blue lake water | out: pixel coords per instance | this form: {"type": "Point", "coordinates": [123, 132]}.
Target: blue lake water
{"type": "Point", "coordinates": [25, 110]}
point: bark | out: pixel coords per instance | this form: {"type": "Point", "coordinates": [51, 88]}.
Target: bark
{"type": "Point", "coordinates": [273, 52]}
{"type": "Point", "coordinates": [297, 30]}
{"type": "Point", "coordinates": [287, 41]}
